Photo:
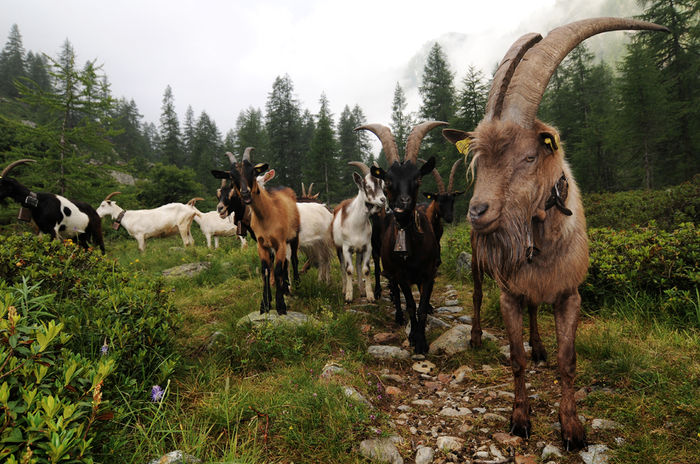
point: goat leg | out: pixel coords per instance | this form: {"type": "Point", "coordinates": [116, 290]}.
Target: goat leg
{"type": "Point", "coordinates": [294, 245]}
{"type": "Point", "coordinates": [478, 276]}
{"type": "Point", "coordinates": [539, 353]}
{"type": "Point", "coordinates": [396, 299]}
{"type": "Point", "coordinates": [566, 314]}
{"type": "Point", "coordinates": [282, 286]}
{"type": "Point", "coordinates": [423, 310]}
{"type": "Point", "coordinates": [267, 291]}
{"type": "Point", "coordinates": [511, 310]}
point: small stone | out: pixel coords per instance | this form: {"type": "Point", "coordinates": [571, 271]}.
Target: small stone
{"type": "Point", "coordinates": [480, 410]}
{"type": "Point", "coordinates": [381, 449]}
{"type": "Point", "coordinates": [353, 394]}
{"type": "Point", "coordinates": [331, 370]}
{"type": "Point", "coordinates": [413, 430]}
{"type": "Point", "coordinates": [460, 373]}
{"type": "Point", "coordinates": [392, 391]}
{"type": "Point", "coordinates": [491, 417]}
{"type": "Point", "coordinates": [481, 454]}
{"type": "Point", "coordinates": [529, 459]}
{"type": "Point", "coordinates": [455, 340]}
{"type": "Point", "coordinates": [505, 394]}
{"type": "Point", "coordinates": [444, 378]}
{"type": "Point", "coordinates": [384, 338]}
{"type": "Point", "coordinates": [453, 302]}
{"type": "Point", "coordinates": [507, 439]}
{"type": "Point", "coordinates": [433, 386]}
{"type": "Point", "coordinates": [465, 428]}
{"type": "Point", "coordinates": [387, 352]}
{"type": "Point", "coordinates": [176, 457]}
{"type": "Point", "coordinates": [422, 402]}
{"type": "Point", "coordinates": [465, 319]}
{"type": "Point", "coordinates": [449, 308]}
{"type": "Point", "coordinates": [392, 378]}
{"type": "Point", "coordinates": [455, 412]}
{"type": "Point", "coordinates": [404, 408]}
{"type": "Point", "coordinates": [604, 424]}
{"type": "Point", "coordinates": [619, 441]}
{"type": "Point", "coordinates": [424, 367]}
{"type": "Point", "coordinates": [595, 454]}
{"type": "Point", "coordinates": [447, 444]}
{"type": "Point", "coordinates": [551, 451]}
{"type": "Point", "coordinates": [495, 452]}
{"type": "Point", "coordinates": [424, 455]}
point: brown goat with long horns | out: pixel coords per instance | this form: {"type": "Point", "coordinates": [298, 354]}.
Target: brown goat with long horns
{"type": "Point", "coordinates": [526, 212]}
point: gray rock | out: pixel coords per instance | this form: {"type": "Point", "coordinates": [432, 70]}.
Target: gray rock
{"type": "Point", "coordinates": [492, 417]}
{"type": "Point", "coordinates": [464, 263]}
{"type": "Point", "coordinates": [381, 450]}
{"type": "Point", "coordinates": [187, 270]}
{"type": "Point", "coordinates": [604, 424]}
{"type": "Point", "coordinates": [595, 454]}
{"type": "Point", "coordinates": [465, 319]}
{"type": "Point", "coordinates": [452, 302]}
{"type": "Point", "coordinates": [271, 317]}
{"type": "Point", "coordinates": [392, 378]}
{"type": "Point", "coordinates": [424, 367]}
{"type": "Point", "coordinates": [432, 323]}
{"type": "Point", "coordinates": [449, 309]}
{"type": "Point", "coordinates": [353, 394]}
{"type": "Point", "coordinates": [424, 455]}
{"type": "Point", "coordinates": [176, 457]}
{"type": "Point", "coordinates": [447, 444]}
{"type": "Point", "coordinates": [122, 177]}
{"type": "Point", "coordinates": [331, 370]}
{"type": "Point", "coordinates": [551, 451]}
{"type": "Point", "coordinates": [388, 352]}
{"type": "Point", "coordinates": [455, 412]}
{"type": "Point", "coordinates": [455, 340]}
{"type": "Point", "coordinates": [422, 402]}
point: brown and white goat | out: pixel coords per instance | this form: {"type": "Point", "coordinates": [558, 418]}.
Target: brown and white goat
{"type": "Point", "coordinates": [351, 231]}
{"type": "Point", "coordinates": [409, 248]}
{"type": "Point", "coordinates": [526, 212]}
{"type": "Point", "coordinates": [274, 220]}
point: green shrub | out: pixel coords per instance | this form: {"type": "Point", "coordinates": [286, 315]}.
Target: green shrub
{"type": "Point", "coordinates": [668, 207]}
{"type": "Point", "coordinates": [645, 259]}
{"type": "Point", "coordinates": [50, 397]}
{"type": "Point", "coordinates": [102, 307]}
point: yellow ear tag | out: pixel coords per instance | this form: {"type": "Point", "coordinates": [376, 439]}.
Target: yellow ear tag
{"type": "Point", "coordinates": [548, 141]}
{"type": "Point", "coordinates": [463, 146]}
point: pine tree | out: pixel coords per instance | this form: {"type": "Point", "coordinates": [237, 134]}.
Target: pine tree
{"type": "Point", "coordinates": [206, 150]}
{"type": "Point", "coordinates": [352, 147]}
{"type": "Point", "coordinates": [401, 122]}
{"type": "Point", "coordinates": [38, 71]}
{"type": "Point", "coordinates": [283, 123]}
{"type": "Point", "coordinates": [251, 132]}
{"type": "Point", "coordinates": [129, 142]}
{"type": "Point", "coordinates": [321, 166]}
{"type": "Point", "coordinates": [12, 64]}
{"type": "Point", "coordinates": [188, 134]}
{"type": "Point", "coordinates": [438, 96]}
{"type": "Point", "coordinates": [471, 100]}
{"type": "Point", "coordinates": [170, 137]}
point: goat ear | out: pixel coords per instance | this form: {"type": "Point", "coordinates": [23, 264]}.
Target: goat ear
{"type": "Point", "coordinates": [260, 168]}
{"type": "Point", "coordinates": [377, 172]}
{"type": "Point", "coordinates": [358, 179]}
{"type": "Point", "coordinates": [269, 175]}
{"type": "Point", "coordinates": [428, 167]}
{"type": "Point", "coordinates": [459, 138]}
{"type": "Point", "coordinates": [221, 174]}
{"type": "Point", "coordinates": [550, 140]}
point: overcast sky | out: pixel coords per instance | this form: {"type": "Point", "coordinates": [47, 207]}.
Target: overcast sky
{"type": "Point", "coordinates": [223, 56]}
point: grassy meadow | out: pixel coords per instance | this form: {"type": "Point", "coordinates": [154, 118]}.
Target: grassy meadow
{"type": "Point", "coordinates": [251, 395]}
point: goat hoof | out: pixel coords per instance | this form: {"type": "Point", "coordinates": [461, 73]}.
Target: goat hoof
{"type": "Point", "coordinates": [573, 435]}
{"type": "Point", "coordinates": [521, 428]}
{"type": "Point", "coordinates": [539, 356]}
{"type": "Point", "coordinates": [475, 342]}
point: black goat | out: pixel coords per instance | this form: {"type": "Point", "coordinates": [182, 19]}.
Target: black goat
{"type": "Point", "coordinates": [409, 248]}
{"type": "Point", "coordinates": [53, 214]}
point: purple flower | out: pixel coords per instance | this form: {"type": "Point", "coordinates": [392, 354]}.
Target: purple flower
{"type": "Point", "coordinates": [105, 348]}
{"type": "Point", "coordinates": [156, 393]}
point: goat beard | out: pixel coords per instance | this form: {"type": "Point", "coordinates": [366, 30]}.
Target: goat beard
{"type": "Point", "coordinates": [502, 252]}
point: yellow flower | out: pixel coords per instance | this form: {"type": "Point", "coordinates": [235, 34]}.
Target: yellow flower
{"type": "Point", "coordinates": [136, 260]}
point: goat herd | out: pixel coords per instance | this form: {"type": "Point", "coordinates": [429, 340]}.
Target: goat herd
{"type": "Point", "coordinates": [528, 229]}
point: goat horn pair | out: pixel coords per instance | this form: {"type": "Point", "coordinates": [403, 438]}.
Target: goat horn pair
{"type": "Point", "coordinates": [194, 200]}
{"type": "Point", "coordinates": [13, 164]}
{"type": "Point", "coordinates": [361, 166]}
{"type": "Point", "coordinates": [109, 197]}
{"type": "Point", "coordinates": [412, 142]}
{"type": "Point", "coordinates": [247, 152]}
{"type": "Point", "coordinates": [438, 178]}
{"type": "Point", "coordinates": [231, 157]}
{"type": "Point", "coordinates": [527, 67]}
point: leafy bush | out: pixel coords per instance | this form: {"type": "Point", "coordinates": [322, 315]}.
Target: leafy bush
{"type": "Point", "coordinates": [645, 259]}
{"type": "Point", "coordinates": [50, 397]}
{"type": "Point", "coordinates": [102, 307]}
{"type": "Point", "coordinates": [669, 207]}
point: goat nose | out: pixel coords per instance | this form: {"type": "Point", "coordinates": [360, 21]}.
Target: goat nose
{"type": "Point", "coordinates": [477, 209]}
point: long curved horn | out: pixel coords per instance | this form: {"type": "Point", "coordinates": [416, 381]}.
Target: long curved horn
{"type": "Point", "coordinates": [194, 200]}
{"type": "Point", "coordinates": [231, 157]}
{"type": "Point", "coordinates": [383, 133]}
{"type": "Point", "coordinates": [303, 190]}
{"type": "Point", "coordinates": [13, 164]}
{"type": "Point", "coordinates": [438, 178]}
{"type": "Point", "coordinates": [361, 166]}
{"type": "Point", "coordinates": [451, 182]}
{"type": "Point", "coordinates": [416, 137]}
{"type": "Point", "coordinates": [310, 187]}
{"type": "Point", "coordinates": [247, 152]}
{"type": "Point", "coordinates": [522, 100]}
{"type": "Point", "coordinates": [109, 197]}
{"type": "Point", "coordinates": [504, 73]}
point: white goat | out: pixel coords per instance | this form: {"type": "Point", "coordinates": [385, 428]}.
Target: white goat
{"type": "Point", "coordinates": [213, 225]}
{"type": "Point", "coordinates": [351, 232]}
{"type": "Point", "coordinates": [141, 224]}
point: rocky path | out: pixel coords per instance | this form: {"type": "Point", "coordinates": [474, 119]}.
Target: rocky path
{"type": "Point", "coordinates": [441, 412]}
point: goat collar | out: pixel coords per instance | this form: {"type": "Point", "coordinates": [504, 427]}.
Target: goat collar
{"type": "Point", "coordinates": [31, 201]}
{"type": "Point", "coordinates": [560, 191]}
{"type": "Point", "coordinates": [118, 221]}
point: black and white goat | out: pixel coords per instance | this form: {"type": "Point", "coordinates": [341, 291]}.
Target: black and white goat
{"type": "Point", "coordinates": [351, 231]}
{"type": "Point", "coordinates": [54, 214]}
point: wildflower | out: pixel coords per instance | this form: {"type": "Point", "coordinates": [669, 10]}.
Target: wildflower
{"type": "Point", "coordinates": [156, 393]}
{"type": "Point", "coordinates": [105, 348]}
{"type": "Point", "coordinates": [371, 417]}
{"type": "Point", "coordinates": [315, 395]}
{"type": "Point", "coordinates": [291, 427]}
{"type": "Point", "coordinates": [136, 260]}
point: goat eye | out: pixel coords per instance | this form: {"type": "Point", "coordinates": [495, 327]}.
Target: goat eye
{"type": "Point", "coordinates": [530, 158]}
